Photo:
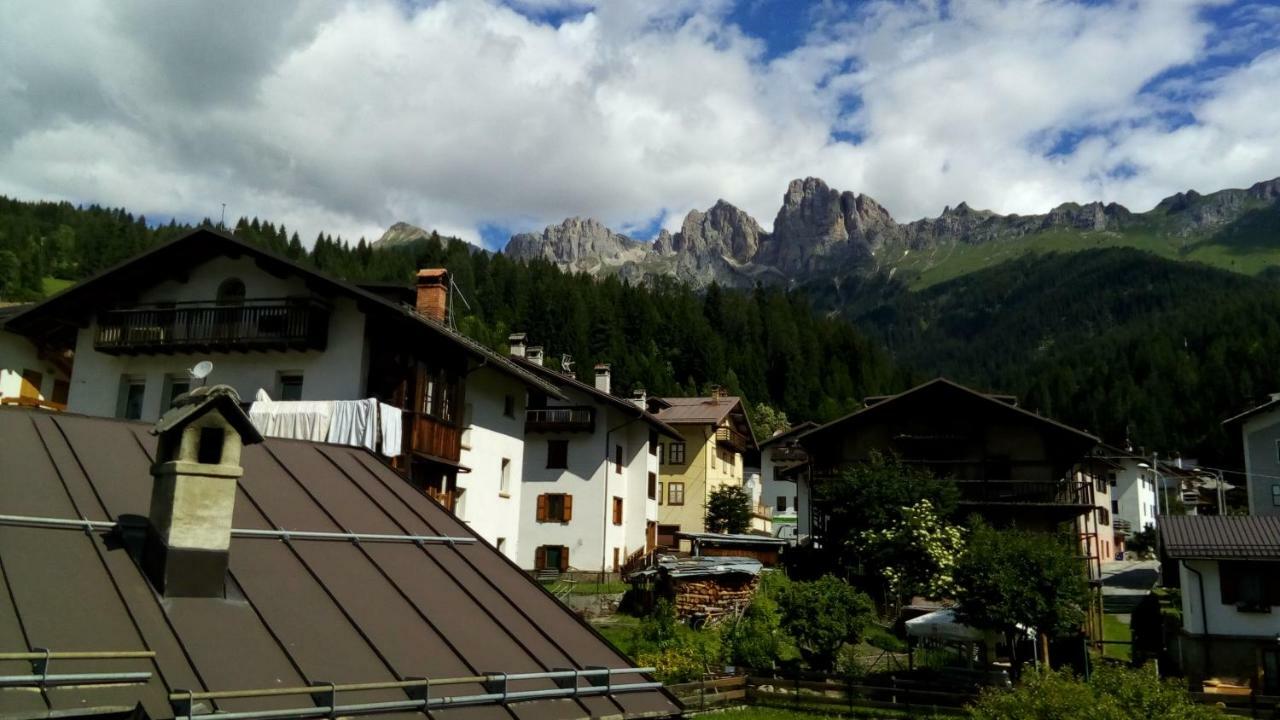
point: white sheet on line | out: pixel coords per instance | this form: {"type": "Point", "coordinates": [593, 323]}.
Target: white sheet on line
{"type": "Point", "coordinates": [391, 421]}
{"type": "Point", "coordinates": [297, 420]}
{"type": "Point", "coordinates": [355, 422]}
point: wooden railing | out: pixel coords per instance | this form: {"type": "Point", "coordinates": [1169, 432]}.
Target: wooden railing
{"type": "Point", "coordinates": [446, 498]}
{"type": "Point", "coordinates": [33, 402]}
{"type": "Point", "coordinates": [788, 453]}
{"type": "Point", "coordinates": [570, 418]}
{"type": "Point", "coordinates": [436, 438]}
{"type": "Point", "coordinates": [732, 438]}
{"type": "Point", "coordinates": [1026, 492]}
{"type": "Point", "coordinates": [276, 323]}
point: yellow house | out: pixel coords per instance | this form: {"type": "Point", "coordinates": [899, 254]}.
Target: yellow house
{"type": "Point", "coordinates": [716, 434]}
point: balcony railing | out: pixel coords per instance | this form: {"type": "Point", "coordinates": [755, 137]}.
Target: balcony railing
{"type": "Point", "coordinates": [1023, 492]}
{"type": "Point", "coordinates": [731, 438]}
{"type": "Point", "coordinates": [265, 324]}
{"type": "Point", "coordinates": [570, 418]}
{"type": "Point", "coordinates": [788, 454]}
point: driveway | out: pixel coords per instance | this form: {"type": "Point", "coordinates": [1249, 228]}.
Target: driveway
{"type": "Point", "coordinates": [1125, 583]}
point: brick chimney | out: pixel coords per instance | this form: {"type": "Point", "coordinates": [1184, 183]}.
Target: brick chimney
{"type": "Point", "coordinates": [433, 293]}
{"type": "Point", "coordinates": [193, 494]}
{"type": "Point", "coordinates": [602, 377]}
{"type": "Point", "coordinates": [516, 343]}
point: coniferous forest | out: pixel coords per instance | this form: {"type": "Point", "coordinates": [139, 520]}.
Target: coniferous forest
{"type": "Point", "coordinates": [1124, 344]}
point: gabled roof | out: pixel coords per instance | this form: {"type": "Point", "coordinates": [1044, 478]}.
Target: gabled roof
{"type": "Point", "coordinates": [203, 244]}
{"type": "Point", "coordinates": [188, 407]}
{"type": "Point", "coordinates": [1220, 537]}
{"type": "Point", "coordinates": [998, 402]}
{"type": "Point", "coordinates": [698, 410]}
{"type": "Point", "coordinates": [568, 381]}
{"type": "Point", "coordinates": [1267, 406]}
{"type": "Point", "coordinates": [300, 610]}
{"type": "Point", "coordinates": [790, 433]}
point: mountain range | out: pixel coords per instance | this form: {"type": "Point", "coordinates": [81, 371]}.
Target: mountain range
{"type": "Point", "coordinates": [821, 233]}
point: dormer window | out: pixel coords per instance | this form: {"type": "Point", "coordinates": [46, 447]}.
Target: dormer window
{"type": "Point", "coordinates": [231, 292]}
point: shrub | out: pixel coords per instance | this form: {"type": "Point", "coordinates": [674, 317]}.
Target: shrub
{"type": "Point", "coordinates": [822, 616]}
{"type": "Point", "coordinates": [1114, 693]}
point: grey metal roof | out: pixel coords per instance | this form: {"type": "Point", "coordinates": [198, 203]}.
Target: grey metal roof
{"type": "Point", "coordinates": [1220, 536]}
{"type": "Point", "coordinates": [701, 567]}
{"type": "Point", "coordinates": [732, 539]}
{"type": "Point", "coordinates": [298, 611]}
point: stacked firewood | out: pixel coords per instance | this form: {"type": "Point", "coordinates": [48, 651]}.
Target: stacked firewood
{"type": "Point", "coordinates": [713, 598]}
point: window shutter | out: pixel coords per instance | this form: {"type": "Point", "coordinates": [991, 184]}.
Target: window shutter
{"type": "Point", "coordinates": [542, 511]}
{"type": "Point", "coordinates": [540, 557]}
{"type": "Point", "coordinates": [568, 510]}
{"type": "Point", "coordinates": [564, 556]}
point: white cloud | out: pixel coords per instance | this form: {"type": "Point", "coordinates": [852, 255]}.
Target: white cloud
{"type": "Point", "coordinates": [346, 118]}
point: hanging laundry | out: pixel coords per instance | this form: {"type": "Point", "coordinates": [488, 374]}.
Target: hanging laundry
{"type": "Point", "coordinates": [391, 421]}
{"type": "Point", "coordinates": [297, 420]}
{"type": "Point", "coordinates": [355, 422]}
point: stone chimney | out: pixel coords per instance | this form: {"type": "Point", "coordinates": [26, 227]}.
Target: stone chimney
{"type": "Point", "coordinates": [602, 378]}
{"type": "Point", "coordinates": [193, 494]}
{"type": "Point", "coordinates": [534, 354]}
{"type": "Point", "coordinates": [516, 342]}
{"type": "Point", "coordinates": [433, 294]}
{"type": "Point", "coordinates": [640, 397]}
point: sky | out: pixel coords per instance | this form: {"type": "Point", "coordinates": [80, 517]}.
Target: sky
{"type": "Point", "coordinates": [481, 118]}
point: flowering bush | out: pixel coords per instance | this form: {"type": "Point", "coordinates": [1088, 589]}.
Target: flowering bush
{"type": "Point", "coordinates": [917, 552]}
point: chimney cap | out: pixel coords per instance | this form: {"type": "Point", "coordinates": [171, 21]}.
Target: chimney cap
{"type": "Point", "coordinates": [516, 337]}
{"type": "Point", "coordinates": [432, 276]}
{"type": "Point", "coordinates": [602, 367]}
{"type": "Point", "coordinates": [191, 406]}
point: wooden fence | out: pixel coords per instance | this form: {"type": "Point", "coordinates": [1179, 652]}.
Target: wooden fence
{"type": "Point", "coordinates": [1243, 705]}
{"type": "Point", "coordinates": [828, 694]}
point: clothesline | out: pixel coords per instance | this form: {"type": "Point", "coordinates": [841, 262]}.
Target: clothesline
{"type": "Point", "coordinates": [364, 423]}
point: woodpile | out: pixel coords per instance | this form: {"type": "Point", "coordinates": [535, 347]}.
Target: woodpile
{"type": "Point", "coordinates": [715, 597]}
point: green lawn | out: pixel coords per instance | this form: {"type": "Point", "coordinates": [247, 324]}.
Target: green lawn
{"type": "Point", "coordinates": [51, 285]}
{"type": "Point", "coordinates": [618, 630]}
{"type": "Point", "coordinates": [1113, 629]}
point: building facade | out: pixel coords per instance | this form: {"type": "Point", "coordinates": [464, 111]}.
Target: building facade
{"type": "Point", "coordinates": [493, 452]}
{"type": "Point", "coordinates": [31, 375]}
{"type": "Point", "coordinates": [779, 456]}
{"type": "Point", "coordinates": [714, 436]}
{"type": "Point", "coordinates": [1259, 430]}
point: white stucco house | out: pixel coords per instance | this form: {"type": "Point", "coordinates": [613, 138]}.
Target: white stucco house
{"type": "Point", "coordinates": [589, 483]}
{"type": "Point", "coordinates": [31, 374]}
{"type": "Point", "coordinates": [1228, 568]}
{"type": "Point", "coordinates": [1259, 429]}
{"type": "Point", "coordinates": [779, 454]}
{"type": "Point", "coordinates": [266, 322]}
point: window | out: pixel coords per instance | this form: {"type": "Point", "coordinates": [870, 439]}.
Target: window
{"type": "Point", "coordinates": [781, 503]}
{"type": "Point", "coordinates": [1275, 495]}
{"type": "Point", "coordinates": [290, 386]}
{"type": "Point", "coordinates": [441, 392]}
{"type": "Point", "coordinates": [555, 507]}
{"type": "Point", "coordinates": [231, 292]}
{"type": "Point", "coordinates": [726, 459]}
{"type": "Point", "coordinates": [1100, 484]}
{"type": "Point", "coordinates": [653, 442]}
{"type": "Point", "coordinates": [132, 392]}
{"type": "Point", "coordinates": [675, 493]}
{"type": "Point", "coordinates": [653, 485]}
{"type": "Point", "coordinates": [1252, 585]}
{"type": "Point", "coordinates": [795, 501]}
{"type": "Point", "coordinates": [1111, 478]}
{"type": "Point", "coordinates": [617, 459]}
{"type": "Point", "coordinates": [174, 385]}
{"type": "Point", "coordinates": [677, 453]}
{"type": "Point", "coordinates": [509, 406]}
{"type": "Point", "coordinates": [504, 479]}
{"type": "Point", "coordinates": [1104, 517]}
{"type": "Point", "coordinates": [1115, 506]}
{"type": "Point", "coordinates": [551, 557]}
{"type": "Point", "coordinates": [662, 453]}
{"type": "Point", "coordinates": [661, 492]}
{"type": "Point", "coordinates": [617, 511]}
{"type": "Point", "coordinates": [557, 454]}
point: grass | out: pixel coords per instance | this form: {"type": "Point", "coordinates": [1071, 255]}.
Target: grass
{"type": "Point", "coordinates": [1114, 629]}
{"type": "Point", "coordinates": [591, 588]}
{"type": "Point", "coordinates": [51, 285]}
{"type": "Point", "coordinates": [618, 630]}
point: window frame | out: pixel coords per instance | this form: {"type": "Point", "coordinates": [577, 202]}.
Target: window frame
{"type": "Point", "coordinates": [671, 453]}
{"type": "Point", "coordinates": [504, 478]}
{"type": "Point", "coordinates": [127, 383]}
{"type": "Point", "coordinates": [617, 511]}
{"type": "Point", "coordinates": [558, 448]}
{"type": "Point", "coordinates": [678, 488]}
{"type": "Point", "coordinates": [653, 486]}
{"type": "Point", "coordinates": [285, 378]}
{"type": "Point", "coordinates": [617, 459]}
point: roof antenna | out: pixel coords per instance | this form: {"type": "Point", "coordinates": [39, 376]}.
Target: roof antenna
{"type": "Point", "coordinates": [453, 288]}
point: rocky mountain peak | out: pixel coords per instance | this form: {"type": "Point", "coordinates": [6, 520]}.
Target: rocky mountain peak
{"type": "Point", "coordinates": [577, 243]}
{"type": "Point", "coordinates": [401, 233]}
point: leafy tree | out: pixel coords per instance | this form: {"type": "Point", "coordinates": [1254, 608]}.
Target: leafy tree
{"type": "Point", "coordinates": [821, 616]}
{"type": "Point", "coordinates": [755, 639]}
{"type": "Point", "coordinates": [1007, 578]}
{"type": "Point", "coordinates": [767, 420]}
{"type": "Point", "coordinates": [1142, 542]}
{"type": "Point", "coordinates": [728, 510]}
{"type": "Point", "coordinates": [868, 499]}
{"type": "Point", "coordinates": [1113, 693]}
{"type": "Point", "coordinates": [917, 553]}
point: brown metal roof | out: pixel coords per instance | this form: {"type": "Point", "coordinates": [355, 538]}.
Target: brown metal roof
{"type": "Point", "coordinates": [1221, 536]}
{"type": "Point", "coordinates": [298, 610]}
{"type": "Point", "coordinates": [690, 410]}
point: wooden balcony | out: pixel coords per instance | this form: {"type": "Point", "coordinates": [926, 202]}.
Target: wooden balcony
{"type": "Point", "coordinates": [436, 439]}
{"type": "Point", "coordinates": [570, 418]}
{"type": "Point", "coordinates": [1024, 492]}
{"type": "Point", "coordinates": [263, 324]}
{"type": "Point", "coordinates": [732, 439]}
{"type": "Point", "coordinates": [788, 454]}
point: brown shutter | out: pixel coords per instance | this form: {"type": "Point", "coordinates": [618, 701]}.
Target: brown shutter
{"type": "Point", "coordinates": [542, 511]}
{"type": "Point", "coordinates": [568, 509]}
{"type": "Point", "coordinates": [564, 558]}
{"type": "Point", "coordinates": [540, 558]}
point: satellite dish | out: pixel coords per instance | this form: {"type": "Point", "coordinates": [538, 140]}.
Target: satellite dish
{"type": "Point", "coordinates": [201, 370]}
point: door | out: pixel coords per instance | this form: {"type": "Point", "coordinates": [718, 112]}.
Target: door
{"type": "Point", "coordinates": [1270, 668]}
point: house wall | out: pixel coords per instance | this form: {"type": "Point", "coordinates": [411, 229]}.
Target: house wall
{"type": "Point", "coordinates": [1100, 522]}
{"type": "Point", "coordinates": [702, 474]}
{"type": "Point", "coordinates": [489, 437]}
{"type": "Point", "coordinates": [1223, 619]}
{"type": "Point", "coordinates": [337, 373]}
{"type": "Point", "coordinates": [775, 487]}
{"type": "Point", "coordinates": [17, 354]}
{"type": "Point", "coordinates": [1134, 493]}
{"type": "Point", "coordinates": [1261, 435]}
{"type": "Point", "coordinates": [593, 481]}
